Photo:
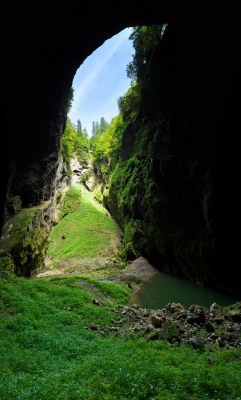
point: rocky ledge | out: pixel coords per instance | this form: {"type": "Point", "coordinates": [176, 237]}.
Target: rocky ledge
{"type": "Point", "coordinates": [196, 326]}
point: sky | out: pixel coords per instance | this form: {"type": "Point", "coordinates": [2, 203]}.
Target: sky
{"type": "Point", "coordinates": [100, 80]}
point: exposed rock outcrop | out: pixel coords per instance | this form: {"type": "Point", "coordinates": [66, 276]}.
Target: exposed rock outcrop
{"type": "Point", "coordinates": [196, 326]}
{"type": "Point", "coordinates": [139, 270]}
{"type": "Point", "coordinates": [76, 171]}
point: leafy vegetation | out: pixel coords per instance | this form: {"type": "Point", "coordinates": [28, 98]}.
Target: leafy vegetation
{"type": "Point", "coordinates": [48, 350]}
{"type": "Point", "coordinates": [99, 127]}
{"type": "Point", "coordinates": [74, 143]}
{"type": "Point", "coordinates": [6, 263]}
{"type": "Point", "coordinates": [129, 104]}
{"type": "Point", "coordinates": [105, 148]}
{"type": "Point", "coordinates": [145, 39]}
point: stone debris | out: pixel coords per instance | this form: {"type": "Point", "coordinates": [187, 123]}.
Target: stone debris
{"type": "Point", "coordinates": [196, 326]}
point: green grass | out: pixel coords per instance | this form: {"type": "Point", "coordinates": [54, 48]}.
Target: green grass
{"type": "Point", "coordinates": [71, 201]}
{"type": "Point", "coordinates": [85, 232]}
{"type": "Point", "coordinates": [48, 353]}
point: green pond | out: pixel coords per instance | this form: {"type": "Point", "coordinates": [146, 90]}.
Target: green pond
{"type": "Point", "coordinates": [163, 288]}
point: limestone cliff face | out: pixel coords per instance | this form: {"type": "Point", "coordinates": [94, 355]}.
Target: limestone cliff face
{"type": "Point", "coordinates": [25, 233]}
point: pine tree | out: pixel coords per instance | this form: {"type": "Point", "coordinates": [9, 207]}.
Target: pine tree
{"type": "Point", "coordinates": [79, 126]}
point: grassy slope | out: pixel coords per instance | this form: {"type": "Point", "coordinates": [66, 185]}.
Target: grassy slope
{"type": "Point", "coordinates": [47, 352]}
{"type": "Point", "coordinates": [86, 232]}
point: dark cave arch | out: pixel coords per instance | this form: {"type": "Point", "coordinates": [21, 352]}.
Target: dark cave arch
{"type": "Point", "coordinates": [49, 43]}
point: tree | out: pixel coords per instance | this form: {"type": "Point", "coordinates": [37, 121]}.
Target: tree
{"type": "Point", "coordinates": [99, 127]}
{"type": "Point", "coordinates": [79, 126]}
{"type": "Point", "coordinates": [105, 147]}
{"type": "Point", "coordinates": [145, 40]}
{"type": "Point", "coordinates": [85, 133]}
{"type": "Point", "coordinates": [129, 103]}
{"type": "Point", "coordinates": [103, 125]}
{"type": "Point", "coordinates": [95, 128]}
{"type": "Point", "coordinates": [68, 101]}
{"type": "Point", "coordinates": [74, 144]}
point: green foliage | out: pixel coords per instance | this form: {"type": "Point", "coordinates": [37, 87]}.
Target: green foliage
{"type": "Point", "coordinates": [68, 140]}
{"type": "Point", "coordinates": [125, 184]}
{"type": "Point", "coordinates": [105, 148]}
{"type": "Point", "coordinates": [86, 232]}
{"type": "Point", "coordinates": [98, 196]}
{"type": "Point", "coordinates": [129, 103]}
{"type": "Point", "coordinates": [134, 194]}
{"type": "Point", "coordinates": [49, 352]}
{"type": "Point", "coordinates": [69, 101]}
{"type": "Point", "coordinates": [99, 127]}
{"type": "Point", "coordinates": [145, 40]}
{"type": "Point", "coordinates": [71, 201]}
{"type": "Point", "coordinates": [6, 263]}
{"type": "Point", "coordinates": [74, 144]}
{"type": "Point", "coordinates": [125, 190]}
{"type": "Point", "coordinates": [79, 126]}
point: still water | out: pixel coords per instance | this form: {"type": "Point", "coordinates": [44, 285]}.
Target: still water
{"type": "Point", "coordinates": [164, 288]}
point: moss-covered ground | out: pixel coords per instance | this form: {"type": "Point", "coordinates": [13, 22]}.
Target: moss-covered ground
{"type": "Point", "coordinates": [50, 351]}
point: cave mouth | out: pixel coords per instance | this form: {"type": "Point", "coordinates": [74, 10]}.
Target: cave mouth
{"type": "Point", "coordinates": [199, 86]}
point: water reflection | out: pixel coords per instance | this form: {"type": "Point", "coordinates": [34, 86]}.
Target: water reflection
{"type": "Point", "coordinates": [163, 288]}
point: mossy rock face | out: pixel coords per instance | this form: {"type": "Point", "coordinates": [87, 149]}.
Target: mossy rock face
{"type": "Point", "coordinates": [161, 193]}
{"type": "Point", "coordinates": [133, 236]}
{"type": "Point", "coordinates": [24, 240]}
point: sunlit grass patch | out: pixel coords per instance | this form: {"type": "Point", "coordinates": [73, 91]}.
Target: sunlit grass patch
{"type": "Point", "coordinates": [86, 232]}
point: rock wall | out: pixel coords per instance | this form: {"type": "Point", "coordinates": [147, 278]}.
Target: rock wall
{"type": "Point", "coordinates": [171, 193]}
{"type": "Point", "coordinates": [24, 240]}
